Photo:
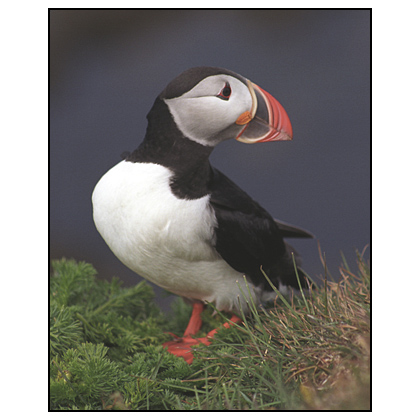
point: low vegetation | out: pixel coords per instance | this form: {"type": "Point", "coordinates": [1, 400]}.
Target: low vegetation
{"type": "Point", "coordinates": [310, 352]}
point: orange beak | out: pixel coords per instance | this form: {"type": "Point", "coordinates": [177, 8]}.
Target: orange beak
{"type": "Point", "coordinates": [266, 121]}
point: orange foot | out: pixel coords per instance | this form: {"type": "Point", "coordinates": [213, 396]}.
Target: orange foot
{"type": "Point", "coordinates": [181, 346]}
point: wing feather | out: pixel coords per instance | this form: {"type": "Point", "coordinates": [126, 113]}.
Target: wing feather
{"type": "Point", "coordinates": [248, 238]}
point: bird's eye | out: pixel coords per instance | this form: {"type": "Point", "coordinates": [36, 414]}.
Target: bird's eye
{"type": "Point", "coordinates": [225, 92]}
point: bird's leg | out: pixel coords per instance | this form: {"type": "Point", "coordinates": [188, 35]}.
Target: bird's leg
{"type": "Point", "coordinates": [181, 346]}
{"type": "Point", "coordinates": [234, 320]}
{"type": "Point", "coordinates": [195, 322]}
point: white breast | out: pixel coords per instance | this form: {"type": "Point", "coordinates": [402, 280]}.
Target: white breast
{"type": "Point", "coordinates": [166, 240]}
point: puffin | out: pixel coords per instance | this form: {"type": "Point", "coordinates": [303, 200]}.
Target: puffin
{"type": "Point", "coordinates": [178, 222]}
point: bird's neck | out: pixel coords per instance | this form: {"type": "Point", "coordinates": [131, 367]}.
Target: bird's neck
{"type": "Point", "coordinates": [165, 145]}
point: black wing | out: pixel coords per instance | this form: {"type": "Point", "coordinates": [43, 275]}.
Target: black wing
{"type": "Point", "coordinates": [247, 237]}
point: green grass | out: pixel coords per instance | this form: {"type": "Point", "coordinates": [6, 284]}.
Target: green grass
{"type": "Point", "coordinates": [299, 353]}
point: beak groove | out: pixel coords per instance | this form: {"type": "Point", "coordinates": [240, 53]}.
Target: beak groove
{"type": "Point", "coordinates": [270, 121]}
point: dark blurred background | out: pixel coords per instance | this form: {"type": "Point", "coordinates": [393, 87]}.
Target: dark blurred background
{"type": "Point", "coordinates": [108, 66]}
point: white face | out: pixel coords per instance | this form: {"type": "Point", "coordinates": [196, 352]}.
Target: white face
{"type": "Point", "coordinates": [206, 118]}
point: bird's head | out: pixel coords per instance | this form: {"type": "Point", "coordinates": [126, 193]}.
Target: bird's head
{"type": "Point", "coordinates": [210, 105]}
